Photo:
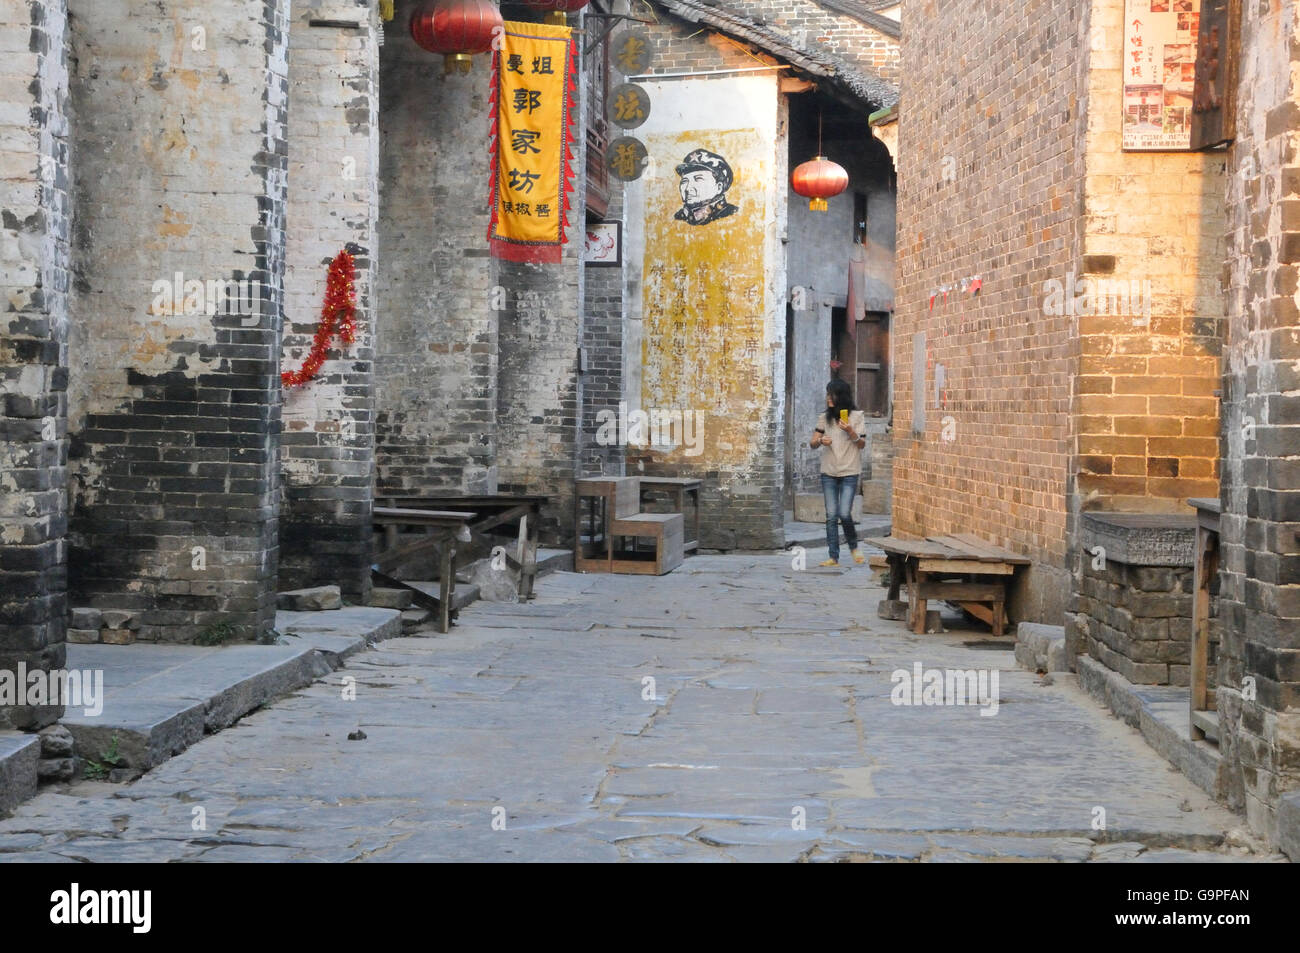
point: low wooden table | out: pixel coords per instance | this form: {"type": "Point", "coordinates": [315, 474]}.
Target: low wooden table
{"type": "Point", "coordinates": [445, 528]}
{"type": "Point", "coordinates": [923, 563]}
{"type": "Point", "coordinates": [488, 512]}
{"type": "Point", "coordinates": [678, 488]}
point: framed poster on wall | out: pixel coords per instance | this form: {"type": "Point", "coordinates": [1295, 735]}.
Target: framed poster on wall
{"type": "Point", "coordinates": [604, 244]}
{"type": "Point", "coordinates": [1159, 74]}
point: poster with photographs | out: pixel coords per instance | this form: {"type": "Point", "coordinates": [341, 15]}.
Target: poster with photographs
{"type": "Point", "coordinates": [1159, 73]}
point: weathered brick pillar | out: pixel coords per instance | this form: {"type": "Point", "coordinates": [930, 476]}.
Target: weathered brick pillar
{"type": "Point", "coordinates": [1259, 607]}
{"type": "Point", "coordinates": [179, 111]}
{"type": "Point", "coordinates": [436, 339]}
{"type": "Point", "coordinates": [539, 389]}
{"type": "Point", "coordinates": [33, 345]}
{"type": "Point", "coordinates": [328, 446]}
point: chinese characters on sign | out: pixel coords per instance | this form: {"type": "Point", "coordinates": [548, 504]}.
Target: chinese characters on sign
{"type": "Point", "coordinates": [632, 52]}
{"type": "Point", "coordinates": [629, 106]}
{"type": "Point", "coordinates": [626, 158]}
{"type": "Point", "coordinates": [531, 175]}
{"type": "Point", "coordinates": [1160, 44]}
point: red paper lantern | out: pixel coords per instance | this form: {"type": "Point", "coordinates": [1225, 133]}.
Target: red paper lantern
{"type": "Point", "coordinates": [456, 28]}
{"type": "Point", "coordinates": [818, 179]}
{"type": "Point", "coordinates": [557, 8]}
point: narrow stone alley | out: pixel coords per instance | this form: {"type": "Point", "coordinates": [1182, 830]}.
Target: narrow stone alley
{"type": "Point", "coordinates": [735, 710]}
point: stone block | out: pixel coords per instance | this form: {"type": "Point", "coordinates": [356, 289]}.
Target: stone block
{"type": "Point", "coordinates": [117, 636]}
{"type": "Point", "coordinates": [1154, 579]}
{"type": "Point", "coordinates": [895, 609]}
{"type": "Point", "coordinates": [56, 742]}
{"type": "Point", "coordinates": [1160, 605]}
{"type": "Point", "coordinates": [82, 636]}
{"type": "Point", "coordinates": [119, 619]}
{"type": "Point", "coordinates": [390, 598]}
{"type": "Point", "coordinates": [1141, 539]}
{"type": "Point", "coordinates": [56, 769]}
{"type": "Point", "coordinates": [1152, 630]}
{"type": "Point", "coordinates": [315, 599]}
{"type": "Point", "coordinates": [20, 756]}
{"type": "Point", "coordinates": [85, 619]}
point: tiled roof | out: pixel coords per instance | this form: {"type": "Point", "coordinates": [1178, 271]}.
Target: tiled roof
{"type": "Point", "coordinates": [851, 82]}
{"type": "Point", "coordinates": [864, 12]}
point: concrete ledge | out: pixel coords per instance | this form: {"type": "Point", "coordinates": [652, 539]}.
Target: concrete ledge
{"type": "Point", "coordinates": [342, 633]}
{"type": "Point", "coordinates": [1159, 712]}
{"type": "Point", "coordinates": [1288, 825]}
{"type": "Point", "coordinates": [1041, 648]}
{"type": "Point", "coordinates": [161, 699]}
{"type": "Point", "coordinates": [20, 756]}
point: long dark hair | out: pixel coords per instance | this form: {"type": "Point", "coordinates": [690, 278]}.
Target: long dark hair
{"type": "Point", "coordinates": [841, 395]}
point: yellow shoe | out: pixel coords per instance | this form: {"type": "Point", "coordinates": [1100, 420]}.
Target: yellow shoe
{"type": "Point", "coordinates": [858, 557]}
{"type": "Point", "coordinates": [830, 562]}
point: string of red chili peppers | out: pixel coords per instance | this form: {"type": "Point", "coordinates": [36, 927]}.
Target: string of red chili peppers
{"type": "Point", "coordinates": [338, 313]}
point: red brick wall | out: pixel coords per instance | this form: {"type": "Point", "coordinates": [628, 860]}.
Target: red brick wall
{"type": "Point", "coordinates": [990, 184]}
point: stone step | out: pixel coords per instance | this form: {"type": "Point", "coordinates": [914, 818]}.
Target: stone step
{"type": "Point", "coordinates": [390, 598]}
{"type": "Point", "coordinates": [1160, 713]}
{"type": "Point", "coordinates": [1041, 648]}
{"type": "Point", "coordinates": [159, 700]}
{"type": "Point", "coordinates": [315, 599]}
{"type": "Point", "coordinates": [460, 598]}
{"type": "Point", "coordinates": [20, 757]}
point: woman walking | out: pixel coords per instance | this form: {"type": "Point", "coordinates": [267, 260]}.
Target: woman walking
{"type": "Point", "coordinates": [839, 435]}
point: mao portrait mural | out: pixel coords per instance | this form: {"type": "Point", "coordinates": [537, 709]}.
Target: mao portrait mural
{"type": "Point", "coordinates": [702, 219]}
{"type": "Point", "coordinates": [705, 179]}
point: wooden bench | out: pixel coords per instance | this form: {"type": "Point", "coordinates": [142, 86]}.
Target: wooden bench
{"type": "Point", "coordinates": [443, 529]}
{"type": "Point", "coordinates": [614, 504]}
{"type": "Point", "coordinates": [490, 513]}
{"type": "Point", "coordinates": [677, 489]}
{"type": "Point", "coordinates": [926, 567]}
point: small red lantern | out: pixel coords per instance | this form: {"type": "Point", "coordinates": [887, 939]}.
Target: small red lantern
{"type": "Point", "coordinates": [557, 8]}
{"type": "Point", "coordinates": [456, 28]}
{"type": "Point", "coordinates": [818, 179]}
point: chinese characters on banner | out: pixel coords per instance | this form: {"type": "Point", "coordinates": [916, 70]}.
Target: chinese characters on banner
{"type": "Point", "coordinates": [1159, 73]}
{"type": "Point", "coordinates": [534, 81]}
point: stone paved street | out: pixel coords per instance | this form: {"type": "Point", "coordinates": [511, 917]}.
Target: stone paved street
{"type": "Point", "coordinates": [771, 704]}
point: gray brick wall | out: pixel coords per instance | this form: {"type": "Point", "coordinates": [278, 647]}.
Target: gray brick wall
{"type": "Point", "coordinates": [961, 213]}
{"type": "Point", "coordinates": [436, 335]}
{"type": "Point", "coordinates": [34, 259]}
{"type": "Point", "coordinates": [1259, 607]}
{"type": "Point", "coordinates": [327, 448]}
{"type": "Point", "coordinates": [175, 412]}
{"type": "Point", "coordinates": [602, 341]}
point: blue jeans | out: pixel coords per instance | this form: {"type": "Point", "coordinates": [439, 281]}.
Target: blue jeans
{"type": "Point", "coordinates": [839, 493]}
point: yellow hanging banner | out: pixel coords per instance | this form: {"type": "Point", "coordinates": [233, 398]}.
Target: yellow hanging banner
{"type": "Point", "coordinates": [533, 86]}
